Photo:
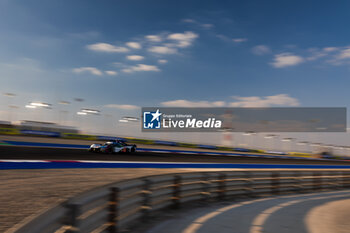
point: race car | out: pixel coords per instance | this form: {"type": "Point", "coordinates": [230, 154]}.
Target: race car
{"type": "Point", "coordinates": [113, 146]}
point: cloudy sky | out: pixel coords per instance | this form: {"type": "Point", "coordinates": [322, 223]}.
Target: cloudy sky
{"type": "Point", "coordinates": [120, 55]}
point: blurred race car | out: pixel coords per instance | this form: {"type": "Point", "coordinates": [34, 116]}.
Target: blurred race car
{"type": "Point", "coordinates": [113, 146]}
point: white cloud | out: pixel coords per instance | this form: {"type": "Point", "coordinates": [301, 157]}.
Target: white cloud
{"type": "Point", "coordinates": [223, 37]}
{"type": "Point", "coordinates": [316, 54]}
{"type": "Point", "coordinates": [162, 61]}
{"type": "Point", "coordinates": [187, 103]}
{"type": "Point", "coordinates": [183, 36]}
{"type": "Point", "coordinates": [162, 50]}
{"type": "Point", "coordinates": [251, 101]}
{"type": "Point", "coordinates": [91, 70]}
{"type": "Point", "coordinates": [122, 106]}
{"type": "Point", "coordinates": [330, 49]}
{"type": "Point", "coordinates": [140, 67]}
{"type": "Point", "coordinates": [154, 38]}
{"type": "Point", "coordinates": [127, 70]}
{"type": "Point", "coordinates": [143, 67]}
{"type": "Point", "coordinates": [189, 21]}
{"type": "Point", "coordinates": [119, 64]}
{"type": "Point", "coordinates": [228, 39]}
{"type": "Point", "coordinates": [135, 57]}
{"type": "Point", "coordinates": [203, 25]}
{"type": "Point", "coordinates": [261, 50]}
{"type": "Point", "coordinates": [341, 57]}
{"type": "Point", "coordinates": [207, 25]}
{"type": "Point", "coordinates": [183, 39]}
{"type": "Point", "coordinates": [267, 101]}
{"type": "Point", "coordinates": [334, 58]}
{"type": "Point", "coordinates": [104, 47]}
{"type": "Point", "coordinates": [286, 59]}
{"type": "Point", "coordinates": [134, 45]}
{"type": "Point", "coordinates": [330, 55]}
{"type": "Point", "coordinates": [343, 54]}
{"type": "Point", "coordinates": [239, 40]}
{"type": "Point", "coordinates": [108, 48]}
{"type": "Point", "coordinates": [182, 44]}
{"type": "Point", "coordinates": [111, 72]}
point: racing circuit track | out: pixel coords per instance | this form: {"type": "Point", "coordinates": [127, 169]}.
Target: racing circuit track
{"type": "Point", "coordinates": [36, 153]}
{"type": "Point", "coordinates": [31, 191]}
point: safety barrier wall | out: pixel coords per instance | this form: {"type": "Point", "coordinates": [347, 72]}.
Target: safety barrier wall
{"type": "Point", "coordinates": [9, 131]}
{"type": "Point", "coordinates": [120, 206]}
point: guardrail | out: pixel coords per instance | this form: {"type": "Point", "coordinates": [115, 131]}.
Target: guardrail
{"type": "Point", "coordinates": [116, 207]}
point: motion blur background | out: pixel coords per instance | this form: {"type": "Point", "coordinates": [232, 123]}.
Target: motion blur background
{"type": "Point", "coordinates": [88, 67]}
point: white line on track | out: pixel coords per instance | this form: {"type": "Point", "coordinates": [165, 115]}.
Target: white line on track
{"type": "Point", "coordinates": [201, 220]}
{"type": "Point", "coordinates": [259, 221]}
{"type": "Point", "coordinates": [198, 223]}
{"type": "Point", "coordinates": [23, 161]}
{"type": "Point", "coordinates": [102, 161]}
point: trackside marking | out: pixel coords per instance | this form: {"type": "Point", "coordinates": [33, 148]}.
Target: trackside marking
{"type": "Point", "coordinates": [46, 145]}
{"type": "Point", "coordinates": [261, 218]}
{"type": "Point", "coordinates": [47, 164]}
{"type": "Point", "coordinates": [259, 221]}
{"type": "Point", "coordinates": [201, 220]}
{"type": "Point", "coordinates": [24, 161]}
{"type": "Point", "coordinates": [198, 223]}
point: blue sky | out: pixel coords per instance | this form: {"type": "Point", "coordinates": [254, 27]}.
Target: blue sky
{"type": "Point", "coordinates": [119, 55]}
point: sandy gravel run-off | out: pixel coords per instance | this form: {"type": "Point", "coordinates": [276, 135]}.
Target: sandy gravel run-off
{"type": "Point", "coordinates": [27, 192]}
{"type": "Point", "coordinates": [332, 217]}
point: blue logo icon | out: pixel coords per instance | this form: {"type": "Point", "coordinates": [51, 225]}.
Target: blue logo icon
{"type": "Point", "coordinates": [151, 120]}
